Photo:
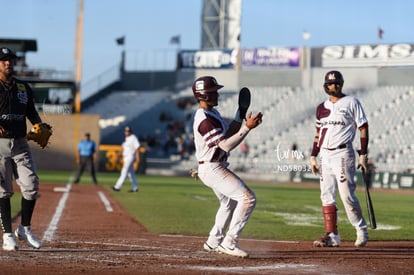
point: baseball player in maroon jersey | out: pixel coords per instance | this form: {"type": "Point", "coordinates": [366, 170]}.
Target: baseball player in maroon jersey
{"type": "Point", "coordinates": [214, 139]}
{"type": "Point", "coordinates": [337, 120]}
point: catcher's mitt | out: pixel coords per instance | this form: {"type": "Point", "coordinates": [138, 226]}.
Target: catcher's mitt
{"type": "Point", "coordinates": [40, 133]}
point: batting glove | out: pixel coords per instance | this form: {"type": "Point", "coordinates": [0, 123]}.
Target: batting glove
{"type": "Point", "coordinates": [314, 165]}
{"type": "Point", "coordinates": [362, 162]}
{"type": "Point", "coordinates": [194, 173]}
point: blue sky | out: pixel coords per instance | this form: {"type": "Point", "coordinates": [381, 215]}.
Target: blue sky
{"type": "Point", "coordinates": [149, 25]}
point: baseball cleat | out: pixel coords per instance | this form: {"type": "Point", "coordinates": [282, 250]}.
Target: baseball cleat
{"type": "Point", "coordinates": [233, 251]}
{"type": "Point", "coordinates": [9, 242]}
{"type": "Point", "coordinates": [209, 248]}
{"type": "Point", "coordinates": [329, 240]}
{"type": "Point", "coordinates": [362, 238]}
{"type": "Point", "coordinates": [115, 189]}
{"type": "Point", "coordinates": [25, 233]}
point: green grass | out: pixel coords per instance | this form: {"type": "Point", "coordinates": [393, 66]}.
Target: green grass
{"type": "Point", "coordinates": [181, 205]}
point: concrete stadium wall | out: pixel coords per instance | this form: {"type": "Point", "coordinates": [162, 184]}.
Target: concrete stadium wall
{"type": "Point", "coordinates": [281, 77]}
{"type": "Point", "coordinates": [68, 130]}
{"type": "Point", "coordinates": [354, 77]}
{"type": "Point", "coordinates": [185, 78]}
{"type": "Point", "coordinates": [395, 76]}
{"type": "Point", "coordinates": [148, 81]}
{"type": "Point", "coordinates": [235, 79]}
{"type": "Point", "coordinates": [368, 77]}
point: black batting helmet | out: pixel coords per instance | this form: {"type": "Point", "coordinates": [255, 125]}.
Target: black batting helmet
{"type": "Point", "coordinates": [334, 77]}
{"type": "Point", "coordinates": [205, 86]}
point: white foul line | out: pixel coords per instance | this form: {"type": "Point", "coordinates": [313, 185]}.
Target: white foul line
{"type": "Point", "coordinates": [48, 235]}
{"type": "Point", "coordinates": [105, 201]}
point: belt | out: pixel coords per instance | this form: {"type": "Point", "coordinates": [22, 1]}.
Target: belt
{"type": "Point", "coordinates": [202, 161]}
{"type": "Point", "coordinates": [342, 146]}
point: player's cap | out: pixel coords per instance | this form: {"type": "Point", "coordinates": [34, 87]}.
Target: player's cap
{"type": "Point", "coordinates": [128, 129]}
{"type": "Point", "coordinates": [6, 53]}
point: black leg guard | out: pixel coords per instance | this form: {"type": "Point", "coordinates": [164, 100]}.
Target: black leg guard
{"type": "Point", "coordinates": [27, 211]}
{"type": "Point", "coordinates": [5, 218]}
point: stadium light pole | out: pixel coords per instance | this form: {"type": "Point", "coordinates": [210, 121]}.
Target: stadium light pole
{"type": "Point", "coordinates": [121, 42]}
{"type": "Point", "coordinates": [306, 66]}
{"type": "Point", "coordinates": [78, 73]}
{"type": "Point", "coordinates": [78, 55]}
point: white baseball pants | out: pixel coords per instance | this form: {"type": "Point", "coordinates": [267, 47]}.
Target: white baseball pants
{"type": "Point", "coordinates": [236, 199]}
{"type": "Point", "coordinates": [337, 174]}
{"type": "Point", "coordinates": [127, 171]}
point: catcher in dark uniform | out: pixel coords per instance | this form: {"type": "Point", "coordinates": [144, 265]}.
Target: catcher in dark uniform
{"type": "Point", "coordinates": [16, 104]}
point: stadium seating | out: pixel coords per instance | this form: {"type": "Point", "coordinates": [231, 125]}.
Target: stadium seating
{"type": "Point", "coordinates": [289, 118]}
{"type": "Point", "coordinates": [122, 107]}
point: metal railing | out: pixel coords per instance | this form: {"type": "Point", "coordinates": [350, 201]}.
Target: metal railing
{"type": "Point", "coordinates": [105, 78]}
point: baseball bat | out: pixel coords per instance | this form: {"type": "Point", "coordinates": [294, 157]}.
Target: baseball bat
{"type": "Point", "coordinates": [370, 206]}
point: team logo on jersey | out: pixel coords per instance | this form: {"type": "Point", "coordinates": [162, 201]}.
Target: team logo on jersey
{"type": "Point", "coordinates": [22, 96]}
{"type": "Point", "coordinates": [21, 93]}
{"type": "Point", "coordinates": [342, 111]}
{"type": "Point", "coordinates": [333, 122]}
{"type": "Point", "coordinates": [21, 87]}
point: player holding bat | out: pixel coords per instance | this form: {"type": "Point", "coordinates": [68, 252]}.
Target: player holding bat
{"type": "Point", "coordinates": [337, 120]}
{"type": "Point", "coordinates": [214, 139]}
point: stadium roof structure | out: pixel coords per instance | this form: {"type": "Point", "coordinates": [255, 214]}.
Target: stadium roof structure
{"type": "Point", "coordinates": [19, 45]}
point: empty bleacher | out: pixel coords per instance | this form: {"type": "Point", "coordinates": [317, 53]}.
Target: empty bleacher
{"type": "Point", "coordinates": [120, 108]}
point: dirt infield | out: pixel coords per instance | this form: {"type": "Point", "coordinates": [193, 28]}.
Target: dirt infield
{"type": "Point", "coordinates": [86, 231]}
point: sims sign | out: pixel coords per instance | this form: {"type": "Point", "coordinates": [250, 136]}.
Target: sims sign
{"type": "Point", "coordinates": [368, 55]}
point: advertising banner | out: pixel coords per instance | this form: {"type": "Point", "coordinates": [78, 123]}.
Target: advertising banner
{"type": "Point", "coordinates": [214, 59]}
{"type": "Point", "coordinates": [271, 57]}
{"type": "Point", "coordinates": [380, 55]}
